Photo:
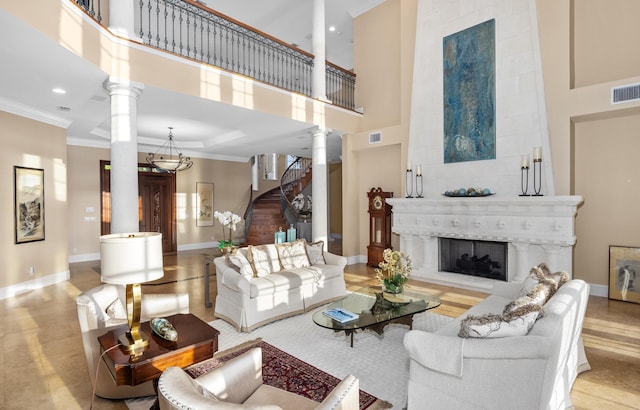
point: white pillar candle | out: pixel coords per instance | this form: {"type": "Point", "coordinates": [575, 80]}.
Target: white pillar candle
{"type": "Point", "coordinates": [419, 170]}
{"type": "Point", "coordinates": [524, 161]}
{"type": "Point", "coordinates": [537, 153]}
{"type": "Point", "coordinates": [408, 165]}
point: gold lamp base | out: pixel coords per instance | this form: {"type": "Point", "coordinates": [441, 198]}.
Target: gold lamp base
{"type": "Point", "coordinates": [135, 341]}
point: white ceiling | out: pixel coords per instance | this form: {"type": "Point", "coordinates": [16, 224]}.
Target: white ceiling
{"type": "Point", "coordinates": [33, 65]}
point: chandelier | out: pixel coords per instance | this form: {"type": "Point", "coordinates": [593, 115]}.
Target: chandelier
{"type": "Point", "coordinates": [168, 161]}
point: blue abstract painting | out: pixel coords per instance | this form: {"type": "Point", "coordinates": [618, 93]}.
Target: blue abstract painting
{"type": "Point", "coordinates": [470, 94]}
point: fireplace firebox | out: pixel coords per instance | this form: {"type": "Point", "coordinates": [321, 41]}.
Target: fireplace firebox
{"type": "Point", "coordinates": [486, 259]}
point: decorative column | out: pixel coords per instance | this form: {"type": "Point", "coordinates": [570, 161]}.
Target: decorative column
{"type": "Point", "coordinates": [318, 83]}
{"type": "Point", "coordinates": [522, 262]}
{"type": "Point", "coordinates": [121, 19]}
{"type": "Point", "coordinates": [124, 154]}
{"type": "Point", "coordinates": [255, 173]}
{"type": "Point", "coordinates": [320, 187]}
{"type": "Point", "coordinates": [552, 253]}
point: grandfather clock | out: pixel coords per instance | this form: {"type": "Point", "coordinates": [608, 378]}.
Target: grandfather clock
{"type": "Point", "coordinates": [379, 225]}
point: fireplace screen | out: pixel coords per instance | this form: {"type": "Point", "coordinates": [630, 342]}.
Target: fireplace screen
{"type": "Point", "coordinates": [477, 258]}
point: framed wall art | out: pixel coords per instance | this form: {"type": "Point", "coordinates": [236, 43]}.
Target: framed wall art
{"type": "Point", "coordinates": [469, 91]}
{"type": "Point", "coordinates": [204, 204]}
{"type": "Point", "coordinates": [28, 193]}
{"type": "Point", "coordinates": [624, 273]}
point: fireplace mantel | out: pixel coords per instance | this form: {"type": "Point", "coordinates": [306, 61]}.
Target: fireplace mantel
{"type": "Point", "coordinates": [537, 229]}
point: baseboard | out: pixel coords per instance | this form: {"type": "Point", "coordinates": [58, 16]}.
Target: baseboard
{"type": "Point", "coordinates": [85, 257]}
{"type": "Point", "coordinates": [194, 246]}
{"type": "Point", "coordinates": [352, 260]}
{"type": "Point", "coordinates": [599, 290]}
{"type": "Point", "coordinates": [33, 284]}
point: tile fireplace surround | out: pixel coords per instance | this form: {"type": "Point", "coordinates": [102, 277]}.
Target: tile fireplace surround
{"type": "Point", "coordinates": [536, 229]}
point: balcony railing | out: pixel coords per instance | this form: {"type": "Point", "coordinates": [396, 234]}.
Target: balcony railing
{"type": "Point", "coordinates": [188, 29]}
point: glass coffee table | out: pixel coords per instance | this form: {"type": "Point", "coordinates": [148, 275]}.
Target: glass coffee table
{"type": "Point", "coordinates": [376, 309]}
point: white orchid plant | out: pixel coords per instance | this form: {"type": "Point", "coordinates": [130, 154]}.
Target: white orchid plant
{"type": "Point", "coordinates": [228, 220]}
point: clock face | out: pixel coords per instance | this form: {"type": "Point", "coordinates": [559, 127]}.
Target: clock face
{"type": "Point", "coordinates": [377, 202]}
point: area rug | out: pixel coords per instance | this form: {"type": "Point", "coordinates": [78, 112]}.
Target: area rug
{"type": "Point", "coordinates": [379, 362]}
{"type": "Point", "coordinates": [286, 372]}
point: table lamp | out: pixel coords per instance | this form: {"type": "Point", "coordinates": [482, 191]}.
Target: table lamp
{"type": "Point", "coordinates": [130, 259]}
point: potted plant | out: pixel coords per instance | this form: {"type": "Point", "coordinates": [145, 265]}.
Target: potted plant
{"type": "Point", "coordinates": [228, 220]}
{"type": "Point", "coordinates": [393, 271]}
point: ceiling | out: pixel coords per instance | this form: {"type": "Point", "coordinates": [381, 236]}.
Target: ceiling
{"type": "Point", "coordinates": [201, 128]}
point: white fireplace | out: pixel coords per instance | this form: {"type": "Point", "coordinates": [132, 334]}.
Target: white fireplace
{"type": "Point", "coordinates": [536, 229]}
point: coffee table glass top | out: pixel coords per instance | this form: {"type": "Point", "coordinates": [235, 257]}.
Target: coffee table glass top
{"type": "Point", "coordinates": [375, 307]}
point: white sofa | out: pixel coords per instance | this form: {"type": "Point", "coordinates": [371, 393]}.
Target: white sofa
{"type": "Point", "coordinates": [532, 371]}
{"type": "Point", "coordinates": [260, 284]}
{"type": "Point", "coordinates": [103, 308]}
{"type": "Point", "coordinates": [237, 384]}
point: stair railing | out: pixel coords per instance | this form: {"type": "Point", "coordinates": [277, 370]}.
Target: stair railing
{"type": "Point", "coordinates": [291, 184]}
{"type": "Point", "coordinates": [189, 29]}
{"type": "Point", "coordinates": [248, 213]}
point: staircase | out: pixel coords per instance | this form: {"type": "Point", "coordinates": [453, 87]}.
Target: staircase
{"type": "Point", "coordinates": [267, 218]}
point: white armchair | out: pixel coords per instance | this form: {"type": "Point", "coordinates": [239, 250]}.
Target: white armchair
{"type": "Point", "coordinates": [104, 308]}
{"type": "Point", "coordinates": [238, 384]}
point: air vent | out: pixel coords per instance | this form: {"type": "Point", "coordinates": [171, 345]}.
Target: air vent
{"type": "Point", "coordinates": [375, 137]}
{"type": "Point", "coordinates": [625, 93]}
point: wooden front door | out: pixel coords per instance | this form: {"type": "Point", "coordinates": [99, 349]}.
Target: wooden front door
{"type": "Point", "coordinates": [156, 203]}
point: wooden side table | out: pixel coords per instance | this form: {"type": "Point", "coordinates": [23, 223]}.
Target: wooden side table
{"type": "Point", "coordinates": [197, 341]}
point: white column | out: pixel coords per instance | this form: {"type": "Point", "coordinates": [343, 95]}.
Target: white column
{"type": "Point", "coordinates": [522, 262]}
{"type": "Point", "coordinates": [121, 18]}
{"type": "Point", "coordinates": [124, 154]}
{"type": "Point", "coordinates": [320, 187]}
{"type": "Point", "coordinates": [318, 84]}
{"type": "Point", "coordinates": [255, 173]}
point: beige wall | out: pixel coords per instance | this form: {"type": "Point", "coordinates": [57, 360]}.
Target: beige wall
{"type": "Point", "coordinates": [605, 44]}
{"type": "Point", "coordinates": [608, 176]}
{"type": "Point", "coordinates": [585, 52]}
{"type": "Point", "coordinates": [231, 182]}
{"type": "Point", "coordinates": [32, 144]}
{"type": "Point", "coordinates": [383, 61]}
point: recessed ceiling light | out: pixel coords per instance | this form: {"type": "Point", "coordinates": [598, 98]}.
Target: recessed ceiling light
{"type": "Point", "coordinates": [332, 28]}
{"type": "Point", "coordinates": [59, 90]}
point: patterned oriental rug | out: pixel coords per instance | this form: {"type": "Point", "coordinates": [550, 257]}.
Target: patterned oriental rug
{"type": "Point", "coordinates": [381, 363]}
{"type": "Point", "coordinates": [287, 372]}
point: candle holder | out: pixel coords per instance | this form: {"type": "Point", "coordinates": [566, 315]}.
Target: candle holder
{"type": "Point", "coordinates": [524, 181]}
{"type": "Point", "coordinates": [537, 181]}
{"type": "Point", "coordinates": [409, 182]}
{"type": "Point", "coordinates": [419, 186]}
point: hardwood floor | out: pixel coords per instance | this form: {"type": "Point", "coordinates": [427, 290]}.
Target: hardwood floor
{"type": "Point", "coordinates": [43, 363]}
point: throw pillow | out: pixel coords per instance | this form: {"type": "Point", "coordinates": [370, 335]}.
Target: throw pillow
{"type": "Point", "coordinates": [517, 323]}
{"type": "Point", "coordinates": [541, 284]}
{"type": "Point", "coordinates": [238, 262]}
{"type": "Point", "coordinates": [315, 252]}
{"type": "Point", "coordinates": [260, 260]}
{"type": "Point", "coordinates": [293, 255]}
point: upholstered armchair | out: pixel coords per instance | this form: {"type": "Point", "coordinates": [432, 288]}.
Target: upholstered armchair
{"type": "Point", "coordinates": [104, 308]}
{"type": "Point", "coordinates": [238, 384]}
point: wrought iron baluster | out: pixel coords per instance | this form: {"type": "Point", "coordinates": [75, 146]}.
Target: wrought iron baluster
{"type": "Point", "coordinates": [201, 39]}
{"type": "Point", "coordinates": [141, 32]}
{"type": "Point", "coordinates": [166, 27]}
{"type": "Point", "coordinates": [173, 28]}
{"type": "Point", "coordinates": [158, 24]}
{"type": "Point", "coordinates": [208, 41]}
{"type": "Point", "coordinates": [188, 33]}
{"type": "Point", "coordinates": [149, 35]}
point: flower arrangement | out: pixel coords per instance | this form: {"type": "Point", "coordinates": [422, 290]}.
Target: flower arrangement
{"type": "Point", "coordinates": [230, 220]}
{"type": "Point", "coordinates": [393, 271]}
{"type": "Point", "coordinates": [302, 203]}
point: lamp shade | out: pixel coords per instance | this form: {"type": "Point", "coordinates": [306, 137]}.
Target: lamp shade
{"type": "Point", "coordinates": [127, 258]}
